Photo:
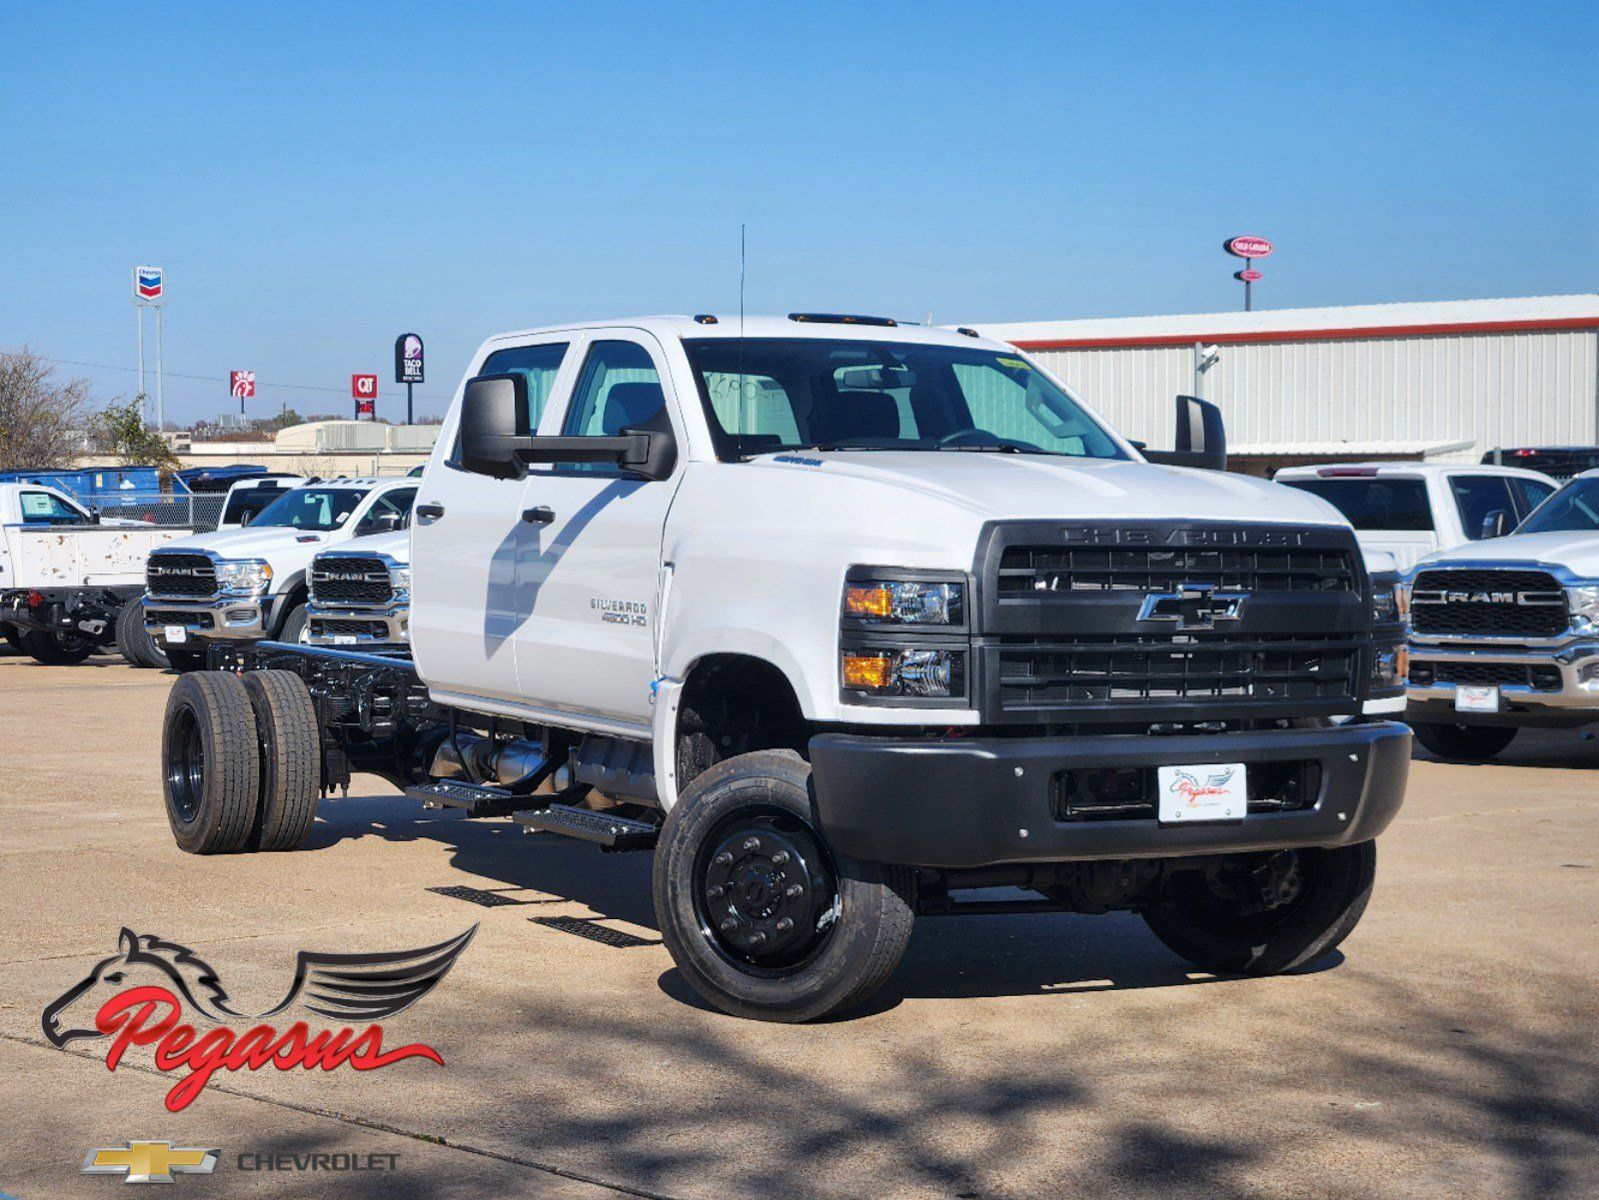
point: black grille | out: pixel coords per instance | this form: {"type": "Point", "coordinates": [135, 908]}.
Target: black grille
{"type": "Point", "coordinates": [342, 627]}
{"type": "Point", "coordinates": [1026, 571]}
{"type": "Point", "coordinates": [1128, 793]}
{"type": "Point", "coordinates": [1133, 668]}
{"type": "Point", "coordinates": [1157, 622]}
{"type": "Point", "coordinates": [1488, 601]}
{"type": "Point", "coordinates": [350, 580]}
{"type": "Point", "coordinates": [171, 573]}
{"type": "Point", "coordinates": [172, 616]}
{"type": "Point", "coordinates": [1539, 677]}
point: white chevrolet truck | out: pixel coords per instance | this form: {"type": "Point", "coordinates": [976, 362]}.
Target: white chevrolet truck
{"type": "Point", "coordinates": [247, 584]}
{"type": "Point", "coordinates": [845, 619]}
{"type": "Point", "coordinates": [70, 579]}
{"type": "Point", "coordinates": [1505, 634]}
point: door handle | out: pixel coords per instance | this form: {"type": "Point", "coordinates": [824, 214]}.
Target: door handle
{"type": "Point", "coordinates": [542, 515]}
{"type": "Point", "coordinates": [429, 511]}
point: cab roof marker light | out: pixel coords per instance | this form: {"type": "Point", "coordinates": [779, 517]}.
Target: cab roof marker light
{"type": "Point", "coordinates": [704, 319]}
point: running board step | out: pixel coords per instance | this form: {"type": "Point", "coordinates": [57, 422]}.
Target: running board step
{"type": "Point", "coordinates": [475, 799]}
{"type": "Point", "coordinates": [606, 830]}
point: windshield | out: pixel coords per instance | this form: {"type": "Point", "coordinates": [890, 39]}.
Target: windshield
{"type": "Point", "coordinates": [1574, 508]}
{"type": "Point", "coordinates": [767, 394]}
{"type": "Point", "coordinates": [320, 509]}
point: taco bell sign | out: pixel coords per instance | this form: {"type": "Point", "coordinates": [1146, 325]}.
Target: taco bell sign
{"type": "Point", "coordinates": [408, 359]}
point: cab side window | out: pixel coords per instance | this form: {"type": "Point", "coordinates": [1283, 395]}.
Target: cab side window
{"type": "Point", "coordinates": [1529, 494]}
{"type": "Point", "coordinates": [395, 505]}
{"type": "Point", "coordinates": [539, 365]}
{"type": "Point", "coordinates": [1476, 496]}
{"type": "Point", "coordinates": [618, 389]}
{"type": "Point", "coordinates": [42, 508]}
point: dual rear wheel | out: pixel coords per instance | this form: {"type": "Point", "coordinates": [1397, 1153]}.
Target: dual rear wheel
{"type": "Point", "coordinates": [241, 759]}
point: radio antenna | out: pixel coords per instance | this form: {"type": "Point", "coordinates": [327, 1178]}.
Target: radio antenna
{"type": "Point", "coordinates": [741, 262]}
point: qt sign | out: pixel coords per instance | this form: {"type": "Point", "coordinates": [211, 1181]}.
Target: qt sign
{"type": "Point", "coordinates": [364, 387]}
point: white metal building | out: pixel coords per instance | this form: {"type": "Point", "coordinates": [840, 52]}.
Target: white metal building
{"type": "Point", "coordinates": [1452, 379]}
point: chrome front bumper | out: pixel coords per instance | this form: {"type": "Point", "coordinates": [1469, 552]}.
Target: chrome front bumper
{"type": "Point", "coordinates": [346, 625]}
{"type": "Point", "coordinates": [1576, 662]}
{"type": "Point", "coordinates": [222, 618]}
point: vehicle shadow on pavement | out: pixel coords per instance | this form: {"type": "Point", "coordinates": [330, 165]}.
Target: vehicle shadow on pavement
{"type": "Point", "coordinates": [1557, 749]}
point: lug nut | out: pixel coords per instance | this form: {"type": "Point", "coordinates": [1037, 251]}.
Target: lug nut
{"type": "Point", "coordinates": [752, 843]}
{"type": "Point", "coordinates": [784, 924]}
{"type": "Point", "coordinates": [792, 890]}
{"type": "Point", "coordinates": [757, 938]}
{"type": "Point", "coordinates": [780, 858]}
{"type": "Point", "coordinates": [728, 925]}
{"type": "Point", "coordinates": [715, 893]}
{"type": "Point", "coordinates": [722, 859]}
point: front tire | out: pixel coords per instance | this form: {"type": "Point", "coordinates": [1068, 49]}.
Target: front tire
{"type": "Point", "coordinates": [56, 649]}
{"type": "Point", "coordinates": [293, 625]}
{"type": "Point", "coordinates": [1466, 743]}
{"type": "Point", "coordinates": [762, 919]}
{"type": "Point", "coordinates": [210, 763]}
{"type": "Point", "coordinates": [134, 639]}
{"type": "Point", "coordinates": [12, 636]}
{"type": "Point", "coordinates": [1223, 925]}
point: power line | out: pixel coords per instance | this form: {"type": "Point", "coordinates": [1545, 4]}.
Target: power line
{"type": "Point", "coordinates": [300, 387]}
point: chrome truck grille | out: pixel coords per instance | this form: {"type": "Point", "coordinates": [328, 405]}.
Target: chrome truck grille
{"type": "Point", "coordinates": [1487, 602]}
{"type": "Point", "coordinates": [348, 579]}
{"type": "Point", "coordinates": [175, 573]}
{"type": "Point", "coordinates": [1155, 622]}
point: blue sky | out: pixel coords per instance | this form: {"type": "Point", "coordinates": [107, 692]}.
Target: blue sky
{"type": "Point", "coordinates": [319, 178]}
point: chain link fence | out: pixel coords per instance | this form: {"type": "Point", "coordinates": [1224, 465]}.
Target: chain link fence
{"type": "Point", "coordinates": [201, 513]}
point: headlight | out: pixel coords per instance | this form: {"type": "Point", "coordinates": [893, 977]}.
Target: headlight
{"type": "Point", "coordinates": [1390, 599]}
{"type": "Point", "coordinates": [400, 579]}
{"type": "Point", "coordinates": [905, 602]}
{"type": "Point", "coordinates": [871, 671]}
{"type": "Point", "coordinates": [248, 575]}
{"type": "Point", "coordinates": [1584, 605]}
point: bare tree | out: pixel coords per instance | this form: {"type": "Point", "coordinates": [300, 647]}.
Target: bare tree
{"type": "Point", "coordinates": [40, 415]}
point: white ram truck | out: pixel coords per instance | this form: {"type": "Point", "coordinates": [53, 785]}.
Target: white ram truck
{"type": "Point", "coordinates": [70, 580]}
{"type": "Point", "coordinates": [845, 619]}
{"type": "Point", "coordinates": [1505, 635]}
{"type": "Point", "coordinates": [247, 584]}
{"type": "Point", "coordinates": [360, 593]}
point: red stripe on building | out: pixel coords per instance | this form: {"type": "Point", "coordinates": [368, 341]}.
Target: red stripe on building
{"type": "Point", "coordinates": [1365, 333]}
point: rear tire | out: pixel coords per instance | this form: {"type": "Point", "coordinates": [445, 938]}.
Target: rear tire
{"type": "Point", "coordinates": [1464, 743]}
{"type": "Point", "coordinates": [1217, 932]}
{"type": "Point", "coordinates": [56, 649]}
{"type": "Point", "coordinates": [135, 641]}
{"type": "Point", "coordinates": [740, 854]}
{"type": "Point", "coordinates": [12, 636]}
{"type": "Point", "coordinates": [210, 763]}
{"type": "Point", "coordinates": [291, 759]}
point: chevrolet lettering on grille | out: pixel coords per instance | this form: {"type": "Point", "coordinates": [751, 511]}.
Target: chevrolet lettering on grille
{"type": "Point", "coordinates": [1193, 606]}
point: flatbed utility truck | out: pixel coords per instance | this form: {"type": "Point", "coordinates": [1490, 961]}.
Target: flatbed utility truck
{"type": "Point", "coordinates": [844, 619]}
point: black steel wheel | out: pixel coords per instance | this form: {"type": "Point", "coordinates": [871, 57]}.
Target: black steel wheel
{"type": "Point", "coordinates": [760, 916]}
{"type": "Point", "coordinates": [57, 649]}
{"type": "Point", "coordinates": [1267, 913]}
{"type": "Point", "coordinates": [210, 763]}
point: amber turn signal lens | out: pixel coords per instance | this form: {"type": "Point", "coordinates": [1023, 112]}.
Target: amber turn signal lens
{"type": "Point", "coordinates": [868, 601]}
{"type": "Point", "coordinates": [866, 671]}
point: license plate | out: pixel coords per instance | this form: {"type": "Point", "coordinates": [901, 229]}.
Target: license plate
{"type": "Point", "coordinates": [1476, 699]}
{"type": "Point", "coordinates": [345, 639]}
{"type": "Point", "coordinates": [176, 635]}
{"type": "Point", "coordinates": [1212, 792]}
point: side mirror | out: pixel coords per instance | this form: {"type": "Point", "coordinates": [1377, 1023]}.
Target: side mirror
{"type": "Point", "coordinates": [1496, 524]}
{"type": "Point", "coordinates": [245, 518]}
{"type": "Point", "coordinates": [387, 522]}
{"type": "Point", "coordinates": [494, 425]}
{"type": "Point", "coordinates": [1201, 437]}
{"type": "Point", "coordinates": [495, 439]}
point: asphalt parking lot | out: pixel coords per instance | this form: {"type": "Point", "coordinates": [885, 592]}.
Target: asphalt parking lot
{"type": "Point", "coordinates": [1450, 1049]}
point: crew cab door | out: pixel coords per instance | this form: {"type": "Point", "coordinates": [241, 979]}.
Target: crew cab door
{"type": "Point", "coordinates": [594, 571]}
{"type": "Point", "coordinates": [467, 536]}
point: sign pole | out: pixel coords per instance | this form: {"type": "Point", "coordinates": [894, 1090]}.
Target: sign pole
{"type": "Point", "coordinates": [408, 420]}
{"type": "Point", "coordinates": [160, 410]}
{"type": "Point", "coordinates": [1247, 286]}
{"type": "Point", "coordinates": [144, 397]}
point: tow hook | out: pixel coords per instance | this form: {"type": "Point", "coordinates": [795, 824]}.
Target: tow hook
{"type": "Point", "coordinates": [1278, 879]}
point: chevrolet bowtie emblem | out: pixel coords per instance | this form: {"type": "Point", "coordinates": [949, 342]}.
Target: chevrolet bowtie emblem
{"type": "Point", "coordinates": [1193, 606]}
{"type": "Point", "coordinates": [150, 1162]}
